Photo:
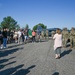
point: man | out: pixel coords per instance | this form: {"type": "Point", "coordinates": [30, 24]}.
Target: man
{"type": "Point", "coordinates": [39, 29]}
{"type": "Point", "coordinates": [42, 34]}
{"type": "Point", "coordinates": [52, 33]}
{"type": "Point", "coordinates": [4, 33]}
{"type": "Point", "coordinates": [72, 38]}
{"type": "Point", "coordinates": [1, 39]}
{"type": "Point", "coordinates": [47, 34]}
{"type": "Point", "coordinates": [65, 35]}
{"type": "Point", "coordinates": [8, 36]}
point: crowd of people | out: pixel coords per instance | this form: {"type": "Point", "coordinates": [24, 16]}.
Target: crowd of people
{"type": "Point", "coordinates": [69, 36]}
{"type": "Point", "coordinates": [18, 36]}
{"type": "Point", "coordinates": [23, 35]}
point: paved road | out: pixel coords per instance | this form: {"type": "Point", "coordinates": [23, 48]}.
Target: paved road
{"type": "Point", "coordinates": [36, 59]}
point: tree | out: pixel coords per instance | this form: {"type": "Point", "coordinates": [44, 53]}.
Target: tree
{"type": "Point", "coordinates": [17, 27]}
{"type": "Point", "coordinates": [26, 27]}
{"type": "Point", "coordinates": [40, 24]}
{"type": "Point", "coordinates": [9, 22]}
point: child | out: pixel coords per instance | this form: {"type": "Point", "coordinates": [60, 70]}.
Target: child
{"type": "Point", "coordinates": [57, 43]}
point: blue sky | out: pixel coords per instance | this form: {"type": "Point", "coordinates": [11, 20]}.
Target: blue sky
{"type": "Point", "coordinates": [52, 13]}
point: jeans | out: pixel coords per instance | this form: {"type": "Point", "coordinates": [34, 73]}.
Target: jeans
{"type": "Point", "coordinates": [4, 42]}
{"type": "Point", "coordinates": [58, 50]}
{"type": "Point", "coordinates": [33, 38]}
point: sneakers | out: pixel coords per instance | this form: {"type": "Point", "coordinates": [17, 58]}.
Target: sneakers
{"type": "Point", "coordinates": [57, 57]}
{"type": "Point", "coordinates": [1, 47]}
{"type": "Point", "coordinates": [5, 47]}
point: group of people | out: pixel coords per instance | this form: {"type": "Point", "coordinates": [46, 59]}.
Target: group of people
{"type": "Point", "coordinates": [3, 38]}
{"type": "Point", "coordinates": [16, 36]}
{"type": "Point", "coordinates": [61, 39]}
{"type": "Point", "coordinates": [69, 36]}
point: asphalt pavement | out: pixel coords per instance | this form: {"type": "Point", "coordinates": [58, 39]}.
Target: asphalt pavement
{"type": "Point", "coordinates": [36, 59]}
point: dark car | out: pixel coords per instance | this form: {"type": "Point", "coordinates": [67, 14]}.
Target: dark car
{"type": "Point", "coordinates": [52, 29]}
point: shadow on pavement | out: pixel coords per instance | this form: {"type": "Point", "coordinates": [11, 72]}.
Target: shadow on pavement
{"type": "Point", "coordinates": [56, 73]}
{"type": "Point", "coordinates": [5, 60]}
{"type": "Point", "coordinates": [24, 71]}
{"type": "Point", "coordinates": [2, 66]}
{"type": "Point", "coordinates": [16, 71]}
{"type": "Point", "coordinates": [65, 52]}
{"type": "Point", "coordinates": [10, 70]}
{"type": "Point", "coordinates": [7, 52]}
{"type": "Point", "coordinates": [14, 45]}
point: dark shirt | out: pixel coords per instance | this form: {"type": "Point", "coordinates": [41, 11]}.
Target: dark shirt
{"type": "Point", "coordinates": [11, 34]}
{"type": "Point", "coordinates": [4, 34]}
{"type": "Point", "coordinates": [0, 34]}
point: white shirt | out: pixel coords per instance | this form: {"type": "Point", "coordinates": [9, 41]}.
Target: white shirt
{"type": "Point", "coordinates": [57, 40]}
{"type": "Point", "coordinates": [19, 33]}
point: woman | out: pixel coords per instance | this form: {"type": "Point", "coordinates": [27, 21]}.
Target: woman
{"type": "Point", "coordinates": [57, 43]}
{"type": "Point", "coordinates": [33, 36]}
{"type": "Point", "coordinates": [15, 36]}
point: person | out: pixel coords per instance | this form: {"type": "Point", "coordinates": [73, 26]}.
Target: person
{"type": "Point", "coordinates": [72, 38]}
{"type": "Point", "coordinates": [4, 33]}
{"type": "Point", "coordinates": [15, 36]}
{"type": "Point", "coordinates": [52, 33]}
{"type": "Point", "coordinates": [1, 39]}
{"type": "Point", "coordinates": [26, 33]}
{"type": "Point", "coordinates": [8, 36]}
{"type": "Point", "coordinates": [39, 29]}
{"type": "Point", "coordinates": [33, 36]}
{"type": "Point", "coordinates": [47, 34]}
{"type": "Point", "coordinates": [22, 35]}
{"type": "Point", "coordinates": [57, 43]}
{"type": "Point", "coordinates": [42, 34]}
{"type": "Point", "coordinates": [19, 36]}
{"type": "Point", "coordinates": [11, 36]}
{"type": "Point", "coordinates": [65, 35]}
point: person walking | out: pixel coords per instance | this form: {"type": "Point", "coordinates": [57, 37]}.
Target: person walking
{"type": "Point", "coordinates": [19, 36]}
{"type": "Point", "coordinates": [65, 35]}
{"type": "Point", "coordinates": [22, 35]}
{"type": "Point", "coordinates": [33, 36]}
{"type": "Point", "coordinates": [15, 36]}
{"type": "Point", "coordinates": [4, 33]}
{"type": "Point", "coordinates": [1, 39]}
{"type": "Point", "coordinates": [47, 34]}
{"type": "Point", "coordinates": [42, 34]}
{"type": "Point", "coordinates": [57, 43]}
{"type": "Point", "coordinates": [72, 38]}
{"type": "Point", "coordinates": [8, 36]}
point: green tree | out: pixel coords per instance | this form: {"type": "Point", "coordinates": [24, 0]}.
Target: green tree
{"type": "Point", "coordinates": [42, 25]}
{"type": "Point", "coordinates": [27, 26]}
{"type": "Point", "coordinates": [9, 22]}
{"type": "Point", "coordinates": [17, 27]}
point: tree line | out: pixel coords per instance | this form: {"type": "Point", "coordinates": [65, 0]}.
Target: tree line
{"type": "Point", "coordinates": [10, 23]}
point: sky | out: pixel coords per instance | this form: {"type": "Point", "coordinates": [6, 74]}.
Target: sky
{"type": "Point", "coordinates": [52, 13]}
